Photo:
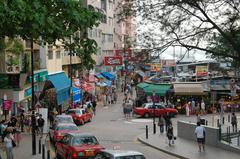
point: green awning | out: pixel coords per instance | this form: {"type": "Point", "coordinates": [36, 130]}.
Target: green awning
{"type": "Point", "coordinates": [142, 85]}
{"type": "Point", "coordinates": [160, 89]}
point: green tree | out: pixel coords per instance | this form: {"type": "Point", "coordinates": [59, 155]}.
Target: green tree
{"type": "Point", "coordinates": [46, 21]}
{"type": "Point", "coordinates": [192, 24]}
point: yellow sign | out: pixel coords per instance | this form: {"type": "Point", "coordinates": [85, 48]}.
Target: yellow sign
{"type": "Point", "coordinates": [155, 67]}
{"type": "Point", "coordinates": [201, 70]}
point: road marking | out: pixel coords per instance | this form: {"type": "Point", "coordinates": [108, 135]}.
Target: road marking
{"type": "Point", "coordinates": [141, 120]}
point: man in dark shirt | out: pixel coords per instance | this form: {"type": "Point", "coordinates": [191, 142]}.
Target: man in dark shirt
{"type": "Point", "coordinates": [40, 122]}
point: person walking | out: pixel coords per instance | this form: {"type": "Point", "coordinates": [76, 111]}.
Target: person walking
{"type": "Point", "coordinates": [9, 144]}
{"type": "Point", "coordinates": [170, 134]}
{"type": "Point", "coordinates": [167, 119]}
{"type": "Point", "coordinates": [161, 124]}
{"type": "Point", "coordinates": [94, 104]}
{"type": "Point", "coordinates": [234, 122]}
{"type": "Point", "coordinates": [200, 134]}
{"type": "Point", "coordinates": [40, 122]}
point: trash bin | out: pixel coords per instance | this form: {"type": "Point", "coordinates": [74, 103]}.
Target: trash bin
{"type": "Point", "coordinates": [202, 121]}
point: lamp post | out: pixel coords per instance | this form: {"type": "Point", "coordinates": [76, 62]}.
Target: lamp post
{"type": "Point", "coordinates": [154, 112]}
{"type": "Point", "coordinates": [33, 107]}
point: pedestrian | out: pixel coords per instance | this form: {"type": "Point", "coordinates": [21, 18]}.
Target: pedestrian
{"type": "Point", "coordinates": [115, 96]}
{"type": "Point", "coordinates": [17, 136]}
{"type": "Point", "coordinates": [51, 117]}
{"type": "Point", "coordinates": [161, 124]}
{"type": "Point", "coordinates": [94, 104]}
{"type": "Point", "coordinates": [124, 109]}
{"type": "Point", "coordinates": [167, 119]}
{"type": "Point", "coordinates": [170, 134]}
{"type": "Point", "coordinates": [234, 122]}
{"type": "Point", "coordinates": [9, 144]}
{"type": "Point", "coordinates": [203, 107]}
{"type": "Point", "coordinates": [2, 129]}
{"type": "Point", "coordinates": [36, 119]}
{"type": "Point", "coordinates": [40, 122]}
{"type": "Point", "coordinates": [201, 135]}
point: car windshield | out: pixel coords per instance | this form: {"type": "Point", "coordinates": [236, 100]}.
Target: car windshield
{"type": "Point", "coordinates": [64, 119]}
{"type": "Point", "coordinates": [89, 140]}
{"type": "Point", "coordinates": [67, 127]}
{"type": "Point", "coordinates": [131, 157]}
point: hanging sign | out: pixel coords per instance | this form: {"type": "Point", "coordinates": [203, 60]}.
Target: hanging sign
{"type": "Point", "coordinates": [113, 60]}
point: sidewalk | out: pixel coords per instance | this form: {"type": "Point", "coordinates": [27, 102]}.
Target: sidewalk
{"type": "Point", "coordinates": [185, 149]}
{"type": "Point", "coordinates": [24, 151]}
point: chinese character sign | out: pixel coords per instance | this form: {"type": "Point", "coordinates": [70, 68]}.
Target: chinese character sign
{"type": "Point", "coordinates": [113, 60]}
{"type": "Point", "coordinates": [201, 70]}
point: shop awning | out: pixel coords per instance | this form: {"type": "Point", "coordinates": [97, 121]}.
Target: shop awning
{"type": "Point", "coordinates": [99, 76]}
{"type": "Point", "coordinates": [77, 95]}
{"type": "Point", "coordinates": [187, 88]}
{"type": "Point", "coordinates": [142, 85]}
{"type": "Point", "coordinates": [108, 76]}
{"type": "Point", "coordinates": [159, 89]}
{"type": "Point", "coordinates": [61, 84]}
{"type": "Point", "coordinates": [141, 73]}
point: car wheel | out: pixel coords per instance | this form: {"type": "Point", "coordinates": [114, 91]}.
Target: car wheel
{"type": "Point", "coordinates": [146, 115]}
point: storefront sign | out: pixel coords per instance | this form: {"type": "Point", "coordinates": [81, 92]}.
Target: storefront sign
{"type": "Point", "coordinates": [201, 70]}
{"type": "Point", "coordinates": [168, 63]}
{"type": "Point", "coordinates": [113, 60]}
{"type": "Point", "coordinates": [7, 104]}
{"type": "Point", "coordinates": [155, 67]}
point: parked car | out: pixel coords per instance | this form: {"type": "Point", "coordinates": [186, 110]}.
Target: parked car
{"type": "Point", "coordinates": [119, 154]}
{"type": "Point", "coordinates": [58, 131]}
{"type": "Point", "coordinates": [78, 146]}
{"type": "Point", "coordinates": [63, 119]}
{"type": "Point", "coordinates": [80, 116]}
{"type": "Point", "coordinates": [147, 110]}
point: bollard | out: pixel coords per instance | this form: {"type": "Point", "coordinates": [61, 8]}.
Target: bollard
{"type": "Point", "coordinates": [154, 128]}
{"type": "Point", "coordinates": [223, 120]}
{"type": "Point", "coordinates": [220, 133]}
{"type": "Point", "coordinates": [43, 151]}
{"type": "Point", "coordinates": [228, 134]}
{"type": "Point", "coordinates": [228, 117]}
{"type": "Point", "coordinates": [218, 124]}
{"type": "Point", "coordinates": [238, 142]}
{"type": "Point", "coordinates": [39, 146]}
{"type": "Point", "coordinates": [48, 154]}
{"type": "Point", "coordinates": [206, 122]}
{"type": "Point", "coordinates": [146, 132]}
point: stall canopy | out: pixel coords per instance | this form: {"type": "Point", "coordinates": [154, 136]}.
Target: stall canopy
{"type": "Point", "coordinates": [61, 84]}
{"type": "Point", "coordinates": [141, 73]}
{"type": "Point", "coordinates": [77, 95]}
{"type": "Point", "coordinates": [99, 76]}
{"type": "Point", "coordinates": [105, 83]}
{"type": "Point", "coordinates": [159, 89]}
{"type": "Point", "coordinates": [86, 86]}
{"type": "Point", "coordinates": [189, 88]}
{"type": "Point", "coordinates": [108, 76]}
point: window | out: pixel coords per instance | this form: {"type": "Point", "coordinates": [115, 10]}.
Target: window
{"type": "Point", "coordinates": [28, 43]}
{"type": "Point", "coordinates": [99, 33]}
{"type": "Point", "coordinates": [104, 5]}
{"type": "Point", "coordinates": [50, 54]}
{"type": "Point", "coordinates": [58, 54]}
{"type": "Point", "coordinates": [110, 38]}
{"type": "Point", "coordinates": [104, 18]}
{"type": "Point", "coordinates": [110, 21]}
{"type": "Point", "coordinates": [110, 4]}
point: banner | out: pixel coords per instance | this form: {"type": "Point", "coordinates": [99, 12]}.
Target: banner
{"type": "Point", "coordinates": [202, 70]}
{"type": "Point", "coordinates": [168, 63]}
{"type": "Point", "coordinates": [7, 104]}
{"type": "Point", "coordinates": [155, 67]}
{"type": "Point", "coordinates": [113, 60]}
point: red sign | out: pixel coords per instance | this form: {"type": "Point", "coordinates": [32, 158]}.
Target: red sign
{"type": "Point", "coordinates": [7, 104]}
{"type": "Point", "coordinates": [113, 60]}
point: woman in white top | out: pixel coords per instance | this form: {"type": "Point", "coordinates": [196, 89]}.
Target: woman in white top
{"type": "Point", "coordinates": [9, 146]}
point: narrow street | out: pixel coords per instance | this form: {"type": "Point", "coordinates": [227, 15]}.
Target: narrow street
{"type": "Point", "coordinates": [112, 130]}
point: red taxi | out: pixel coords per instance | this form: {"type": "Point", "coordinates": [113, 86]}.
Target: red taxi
{"type": "Point", "coordinates": [58, 131]}
{"type": "Point", "coordinates": [80, 116]}
{"type": "Point", "coordinates": [147, 110]}
{"type": "Point", "coordinates": [78, 146]}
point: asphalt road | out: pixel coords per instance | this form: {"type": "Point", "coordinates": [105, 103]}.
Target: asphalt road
{"type": "Point", "coordinates": [112, 130]}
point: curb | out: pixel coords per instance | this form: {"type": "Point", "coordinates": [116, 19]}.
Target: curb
{"type": "Point", "coordinates": [165, 151]}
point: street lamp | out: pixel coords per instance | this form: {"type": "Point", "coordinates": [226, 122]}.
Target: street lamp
{"type": "Point", "coordinates": [33, 107]}
{"type": "Point", "coordinates": [154, 112]}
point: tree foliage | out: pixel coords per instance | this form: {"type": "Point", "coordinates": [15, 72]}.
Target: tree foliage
{"type": "Point", "coordinates": [49, 19]}
{"type": "Point", "coordinates": [203, 25]}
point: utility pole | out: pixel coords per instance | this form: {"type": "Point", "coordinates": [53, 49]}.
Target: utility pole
{"type": "Point", "coordinates": [33, 107]}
